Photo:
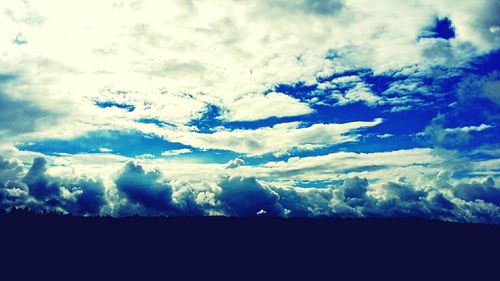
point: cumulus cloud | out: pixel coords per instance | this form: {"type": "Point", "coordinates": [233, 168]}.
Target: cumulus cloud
{"type": "Point", "coordinates": [36, 190]}
{"type": "Point", "coordinates": [145, 188]}
{"type": "Point", "coordinates": [485, 191]}
{"type": "Point", "coordinates": [247, 197]}
{"type": "Point", "coordinates": [148, 193]}
{"type": "Point", "coordinates": [235, 163]}
{"type": "Point", "coordinates": [38, 183]}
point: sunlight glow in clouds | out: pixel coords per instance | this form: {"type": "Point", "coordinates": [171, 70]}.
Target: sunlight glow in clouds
{"type": "Point", "coordinates": [285, 108]}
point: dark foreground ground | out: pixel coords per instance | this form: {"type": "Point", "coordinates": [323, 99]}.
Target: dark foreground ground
{"type": "Point", "coordinates": [213, 246]}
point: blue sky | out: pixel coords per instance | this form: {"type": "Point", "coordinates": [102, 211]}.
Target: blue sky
{"type": "Point", "coordinates": [284, 108]}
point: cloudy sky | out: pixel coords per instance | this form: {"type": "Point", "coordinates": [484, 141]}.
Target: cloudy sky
{"type": "Point", "coordinates": [309, 108]}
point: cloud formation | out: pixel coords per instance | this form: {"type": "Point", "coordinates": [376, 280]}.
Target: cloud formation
{"type": "Point", "coordinates": [144, 188]}
{"type": "Point", "coordinates": [279, 138]}
{"type": "Point", "coordinates": [36, 190]}
{"type": "Point", "coordinates": [302, 108]}
{"type": "Point", "coordinates": [148, 193]}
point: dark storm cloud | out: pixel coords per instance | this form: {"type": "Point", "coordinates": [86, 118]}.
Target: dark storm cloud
{"type": "Point", "coordinates": [38, 191]}
{"type": "Point", "coordinates": [313, 203]}
{"type": "Point", "coordinates": [90, 197]}
{"type": "Point", "coordinates": [10, 170]}
{"type": "Point", "coordinates": [485, 191]}
{"type": "Point", "coordinates": [247, 197]}
{"type": "Point", "coordinates": [144, 188]}
{"type": "Point", "coordinates": [399, 199]}
{"type": "Point", "coordinates": [39, 185]}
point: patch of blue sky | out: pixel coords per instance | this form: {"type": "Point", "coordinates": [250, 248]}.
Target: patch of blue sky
{"type": "Point", "coordinates": [210, 156]}
{"type": "Point", "coordinates": [467, 174]}
{"type": "Point", "coordinates": [360, 72]}
{"type": "Point", "coordinates": [477, 139]}
{"type": "Point", "coordinates": [126, 143]}
{"type": "Point", "coordinates": [367, 144]}
{"type": "Point", "coordinates": [441, 28]}
{"type": "Point", "coordinates": [318, 183]}
{"type": "Point", "coordinates": [478, 156]}
{"type": "Point", "coordinates": [429, 93]}
{"type": "Point", "coordinates": [106, 104]}
{"type": "Point", "coordinates": [299, 90]}
{"type": "Point", "coordinates": [209, 120]}
{"type": "Point", "coordinates": [404, 122]}
{"type": "Point", "coordinates": [474, 114]}
{"type": "Point", "coordinates": [485, 64]}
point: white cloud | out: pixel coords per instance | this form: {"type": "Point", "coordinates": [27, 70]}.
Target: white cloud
{"type": "Point", "coordinates": [468, 129]}
{"type": "Point", "coordinates": [280, 137]}
{"type": "Point", "coordinates": [384, 136]}
{"type": "Point", "coordinates": [255, 107]}
{"type": "Point", "coordinates": [176, 152]}
{"type": "Point", "coordinates": [217, 52]}
{"type": "Point", "coordinates": [360, 93]}
{"type": "Point", "coordinates": [170, 59]}
{"type": "Point", "coordinates": [412, 163]}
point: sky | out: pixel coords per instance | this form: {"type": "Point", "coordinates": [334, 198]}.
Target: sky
{"type": "Point", "coordinates": [299, 108]}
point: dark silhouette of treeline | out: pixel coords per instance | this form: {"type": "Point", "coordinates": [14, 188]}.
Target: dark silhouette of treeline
{"type": "Point", "coordinates": [215, 244]}
{"type": "Point", "coordinates": [398, 230]}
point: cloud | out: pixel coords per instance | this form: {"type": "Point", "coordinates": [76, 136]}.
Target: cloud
{"type": "Point", "coordinates": [38, 191]}
{"type": "Point", "coordinates": [235, 163]}
{"type": "Point", "coordinates": [275, 86]}
{"type": "Point", "coordinates": [10, 170]}
{"type": "Point", "coordinates": [491, 90]}
{"type": "Point", "coordinates": [144, 188]}
{"type": "Point", "coordinates": [247, 197]}
{"type": "Point", "coordinates": [315, 7]}
{"type": "Point", "coordinates": [255, 107]}
{"type": "Point", "coordinates": [489, 22]}
{"type": "Point", "coordinates": [90, 196]}
{"type": "Point", "coordinates": [148, 193]}
{"type": "Point", "coordinates": [485, 191]}
{"type": "Point", "coordinates": [176, 152]}
{"type": "Point", "coordinates": [229, 61]}
{"type": "Point", "coordinates": [18, 116]}
{"type": "Point", "coordinates": [340, 165]}
{"type": "Point", "coordinates": [39, 185]}
{"type": "Point", "coordinates": [358, 93]}
{"type": "Point", "coordinates": [321, 7]}
{"type": "Point", "coordinates": [264, 140]}
{"type": "Point", "coordinates": [436, 134]}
